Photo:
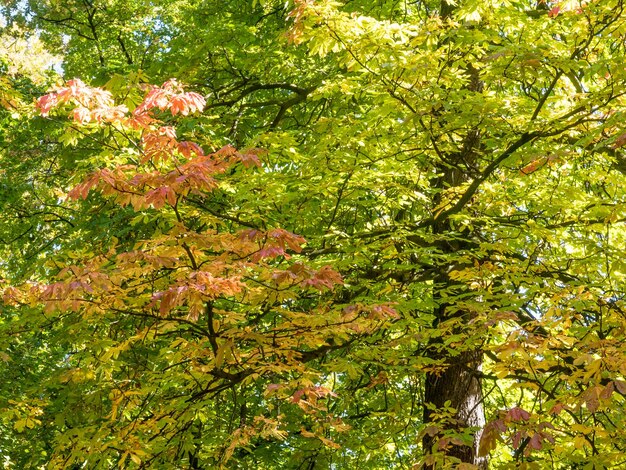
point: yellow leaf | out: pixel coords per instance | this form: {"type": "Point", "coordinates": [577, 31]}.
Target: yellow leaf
{"type": "Point", "coordinates": [122, 461]}
{"type": "Point", "coordinates": [135, 458]}
{"type": "Point", "coordinates": [466, 466]}
{"type": "Point", "coordinates": [19, 425]}
{"type": "Point", "coordinates": [579, 442]}
{"type": "Point", "coordinates": [592, 369]}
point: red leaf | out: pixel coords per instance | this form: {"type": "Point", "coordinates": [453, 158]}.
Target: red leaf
{"type": "Point", "coordinates": [518, 414]}
{"type": "Point", "coordinates": [250, 158]}
{"type": "Point", "coordinates": [606, 393]}
{"type": "Point", "coordinates": [535, 442]}
{"type": "Point", "coordinates": [517, 437]}
{"type": "Point", "coordinates": [81, 115]}
{"type": "Point", "coordinates": [620, 386]}
{"type": "Point", "coordinates": [489, 437]}
{"type": "Point", "coordinates": [591, 398]}
{"type": "Point", "coordinates": [186, 148]}
{"type": "Point", "coordinates": [620, 141]}
{"type": "Point", "coordinates": [556, 409]}
{"type": "Point", "coordinates": [554, 12]}
{"type": "Point", "coordinates": [46, 103]}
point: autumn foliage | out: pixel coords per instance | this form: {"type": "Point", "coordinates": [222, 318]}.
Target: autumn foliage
{"type": "Point", "coordinates": [363, 235]}
{"type": "Point", "coordinates": [202, 305]}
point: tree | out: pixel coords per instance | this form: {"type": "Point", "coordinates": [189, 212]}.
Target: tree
{"type": "Point", "coordinates": [463, 166]}
{"type": "Point", "coordinates": [503, 112]}
{"type": "Point", "coordinates": [157, 330]}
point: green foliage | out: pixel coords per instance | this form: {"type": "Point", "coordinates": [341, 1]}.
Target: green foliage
{"type": "Point", "coordinates": [460, 165]}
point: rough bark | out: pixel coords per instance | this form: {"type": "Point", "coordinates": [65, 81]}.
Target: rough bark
{"type": "Point", "coordinates": [460, 386]}
{"type": "Point", "coordinates": [458, 383]}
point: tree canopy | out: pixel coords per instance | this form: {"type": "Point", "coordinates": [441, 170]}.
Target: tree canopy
{"type": "Point", "coordinates": [313, 234]}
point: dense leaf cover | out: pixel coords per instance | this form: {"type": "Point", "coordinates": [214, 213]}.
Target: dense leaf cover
{"type": "Point", "coordinates": [361, 235]}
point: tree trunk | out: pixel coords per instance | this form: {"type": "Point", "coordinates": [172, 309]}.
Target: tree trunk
{"type": "Point", "coordinates": [457, 384]}
{"type": "Point", "coordinates": [458, 387]}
